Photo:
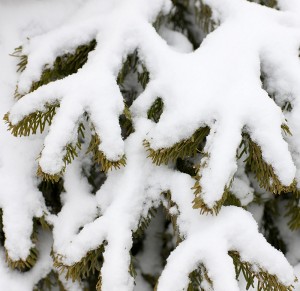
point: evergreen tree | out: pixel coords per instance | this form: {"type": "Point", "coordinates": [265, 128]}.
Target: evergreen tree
{"type": "Point", "coordinates": [151, 145]}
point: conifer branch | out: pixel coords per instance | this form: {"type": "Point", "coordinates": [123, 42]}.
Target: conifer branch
{"type": "Point", "coordinates": [293, 213]}
{"type": "Point", "coordinates": [264, 172]}
{"type": "Point", "coordinates": [50, 282]}
{"type": "Point", "coordinates": [23, 265]}
{"type": "Point", "coordinates": [126, 122]}
{"type": "Point", "coordinates": [23, 59]}
{"type": "Point", "coordinates": [34, 122]}
{"type": "Point", "coordinates": [182, 149]}
{"type": "Point", "coordinates": [63, 65]}
{"type": "Point", "coordinates": [144, 223]}
{"type": "Point", "coordinates": [204, 17]}
{"type": "Point", "coordinates": [88, 265]}
{"type": "Point", "coordinates": [172, 215]}
{"type": "Point", "coordinates": [30, 261]}
{"type": "Point", "coordinates": [268, 3]}
{"type": "Point", "coordinates": [251, 273]}
{"type": "Point", "coordinates": [71, 152]}
{"type": "Point", "coordinates": [176, 206]}
{"type": "Point", "coordinates": [198, 202]}
{"type": "Point", "coordinates": [197, 277]}
{"type": "Point", "coordinates": [100, 158]}
{"type": "Point", "coordinates": [156, 110]}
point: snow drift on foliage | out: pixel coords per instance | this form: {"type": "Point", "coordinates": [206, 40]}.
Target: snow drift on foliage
{"type": "Point", "coordinates": [218, 85]}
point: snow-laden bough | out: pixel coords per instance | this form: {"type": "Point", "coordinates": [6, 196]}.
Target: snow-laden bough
{"type": "Point", "coordinates": [213, 94]}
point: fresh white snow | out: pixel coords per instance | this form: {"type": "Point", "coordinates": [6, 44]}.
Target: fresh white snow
{"type": "Point", "coordinates": [218, 85]}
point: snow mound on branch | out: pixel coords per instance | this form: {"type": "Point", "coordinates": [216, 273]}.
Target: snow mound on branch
{"type": "Point", "coordinates": [206, 239]}
{"type": "Point", "coordinates": [93, 89]}
{"type": "Point", "coordinates": [217, 85]}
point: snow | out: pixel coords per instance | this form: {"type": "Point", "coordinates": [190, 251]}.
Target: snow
{"type": "Point", "coordinates": [218, 85]}
{"type": "Point", "coordinates": [79, 206]}
{"type": "Point", "coordinates": [20, 199]}
{"type": "Point", "coordinates": [15, 281]}
{"type": "Point", "coordinates": [207, 239]}
{"type": "Point", "coordinates": [228, 105]}
{"type": "Point", "coordinates": [241, 186]}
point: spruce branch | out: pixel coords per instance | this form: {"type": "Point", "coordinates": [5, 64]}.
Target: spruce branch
{"type": "Point", "coordinates": [265, 280]}
{"type": "Point", "coordinates": [183, 149]}
{"type": "Point", "coordinates": [100, 158]}
{"type": "Point", "coordinates": [172, 212]}
{"type": "Point", "coordinates": [199, 203]}
{"type": "Point", "coordinates": [144, 223]}
{"type": "Point", "coordinates": [34, 122]}
{"type": "Point", "coordinates": [62, 67]}
{"type": "Point", "coordinates": [124, 211]}
{"type": "Point", "coordinates": [89, 264]}
{"type": "Point", "coordinates": [264, 172]}
{"type": "Point", "coordinates": [268, 3]}
{"type": "Point", "coordinates": [30, 261]}
{"type": "Point", "coordinates": [197, 277]}
{"type": "Point", "coordinates": [156, 110]}
{"type": "Point", "coordinates": [293, 213]}
{"type": "Point", "coordinates": [23, 265]}
{"type": "Point", "coordinates": [71, 152]}
{"type": "Point", "coordinates": [23, 59]}
{"type": "Point", "coordinates": [50, 282]}
{"type": "Point", "coordinates": [205, 19]}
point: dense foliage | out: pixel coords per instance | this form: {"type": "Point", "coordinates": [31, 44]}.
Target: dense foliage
{"type": "Point", "coordinates": [159, 128]}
